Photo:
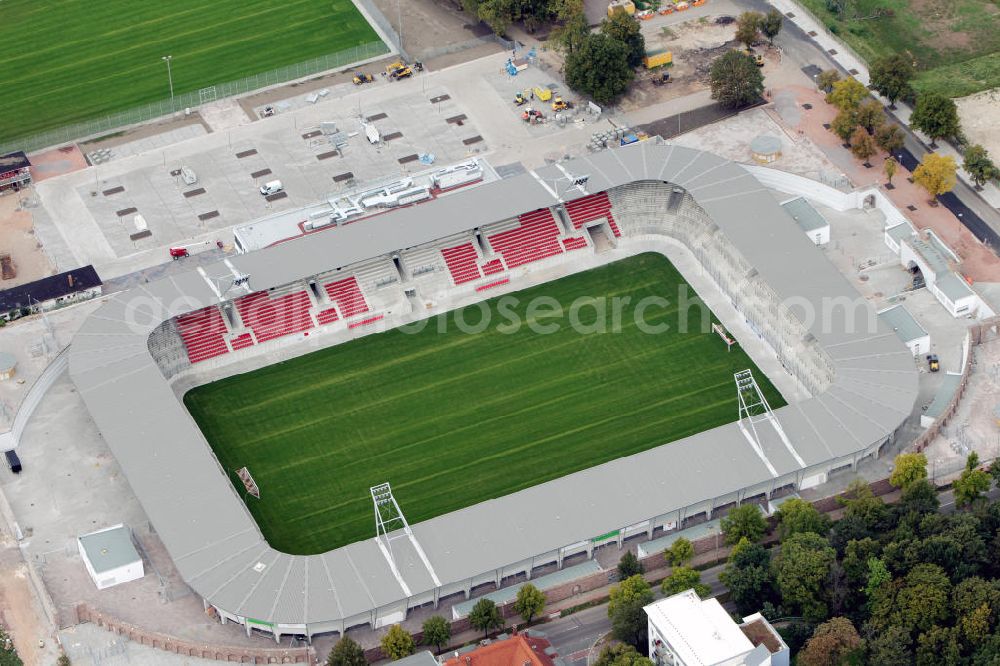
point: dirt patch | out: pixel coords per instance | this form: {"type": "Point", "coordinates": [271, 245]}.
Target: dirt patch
{"type": "Point", "coordinates": [979, 115]}
{"type": "Point", "coordinates": [21, 613]}
{"type": "Point", "coordinates": [694, 45]}
{"type": "Point", "coordinates": [17, 239]}
{"type": "Point", "coordinates": [56, 162]}
{"type": "Point", "coordinates": [938, 18]}
{"type": "Point", "coordinates": [142, 131]}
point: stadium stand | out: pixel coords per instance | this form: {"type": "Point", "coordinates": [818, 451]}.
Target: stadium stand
{"type": "Point", "coordinates": [589, 208]}
{"type": "Point", "coordinates": [271, 316]}
{"type": "Point", "coordinates": [491, 285]}
{"type": "Point", "coordinates": [366, 322]}
{"type": "Point", "coordinates": [203, 333]}
{"type": "Point", "coordinates": [327, 316]}
{"type": "Point", "coordinates": [347, 296]}
{"type": "Point", "coordinates": [492, 267]}
{"type": "Point", "coordinates": [574, 243]}
{"type": "Point", "coordinates": [241, 341]}
{"type": "Point", "coordinates": [536, 237]}
{"type": "Point", "coordinates": [461, 261]}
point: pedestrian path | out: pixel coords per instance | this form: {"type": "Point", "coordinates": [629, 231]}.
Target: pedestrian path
{"type": "Point", "coordinates": [844, 56]}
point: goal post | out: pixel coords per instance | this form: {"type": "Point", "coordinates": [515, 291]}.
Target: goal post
{"type": "Point", "coordinates": [251, 486]}
{"type": "Point", "coordinates": [725, 336]}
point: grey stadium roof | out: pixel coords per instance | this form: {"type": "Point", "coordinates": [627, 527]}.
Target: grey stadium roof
{"type": "Point", "coordinates": [217, 546]}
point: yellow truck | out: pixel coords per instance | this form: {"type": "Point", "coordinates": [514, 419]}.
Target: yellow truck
{"type": "Point", "coordinates": [656, 59]}
{"type": "Point", "coordinates": [543, 94]}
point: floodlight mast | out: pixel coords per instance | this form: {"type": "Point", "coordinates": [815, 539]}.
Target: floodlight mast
{"type": "Point", "coordinates": [388, 516]}
{"type": "Point", "coordinates": [754, 409]}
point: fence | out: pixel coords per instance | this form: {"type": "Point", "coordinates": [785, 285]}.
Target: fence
{"type": "Point", "coordinates": [195, 98]}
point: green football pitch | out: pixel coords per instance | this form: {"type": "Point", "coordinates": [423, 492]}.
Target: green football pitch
{"type": "Point", "coordinates": [80, 60]}
{"type": "Point", "coordinates": [454, 418]}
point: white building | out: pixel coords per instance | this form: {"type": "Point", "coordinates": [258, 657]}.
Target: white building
{"type": "Point", "coordinates": [909, 330]}
{"type": "Point", "coordinates": [685, 630]}
{"type": "Point", "coordinates": [812, 223]}
{"type": "Point", "coordinates": [110, 556]}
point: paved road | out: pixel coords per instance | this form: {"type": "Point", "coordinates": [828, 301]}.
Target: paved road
{"type": "Point", "coordinates": [573, 636]}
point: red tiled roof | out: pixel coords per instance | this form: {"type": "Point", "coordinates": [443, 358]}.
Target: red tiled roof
{"type": "Point", "coordinates": [519, 650]}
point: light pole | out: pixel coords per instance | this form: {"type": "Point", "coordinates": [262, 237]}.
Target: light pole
{"type": "Point", "coordinates": [170, 76]}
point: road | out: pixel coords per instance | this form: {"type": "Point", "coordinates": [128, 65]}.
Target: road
{"type": "Point", "coordinates": [573, 636]}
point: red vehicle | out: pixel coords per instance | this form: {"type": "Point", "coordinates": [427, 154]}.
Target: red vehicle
{"type": "Point", "coordinates": [186, 250]}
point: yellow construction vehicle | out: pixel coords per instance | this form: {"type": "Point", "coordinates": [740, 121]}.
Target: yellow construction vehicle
{"type": "Point", "coordinates": [519, 99]}
{"type": "Point", "coordinates": [558, 104]}
{"type": "Point", "coordinates": [398, 70]}
{"type": "Point", "coordinates": [362, 77]}
{"type": "Point", "coordinates": [758, 59]}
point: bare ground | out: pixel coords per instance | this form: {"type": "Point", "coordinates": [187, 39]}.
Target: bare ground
{"type": "Point", "coordinates": [17, 238]}
{"type": "Point", "coordinates": [979, 114]}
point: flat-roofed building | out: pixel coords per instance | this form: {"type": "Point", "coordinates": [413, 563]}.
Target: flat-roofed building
{"type": "Point", "coordinates": [909, 330]}
{"type": "Point", "coordinates": [685, 630]}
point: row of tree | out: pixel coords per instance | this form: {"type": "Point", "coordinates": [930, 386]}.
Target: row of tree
{"type": "Point", "coordinates": [933, 114]}
{"type": "Point", "coordinates": [436, 630]}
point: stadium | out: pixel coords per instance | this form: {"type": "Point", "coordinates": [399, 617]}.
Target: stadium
{"type": "Point", "coordinates": [140, 354]}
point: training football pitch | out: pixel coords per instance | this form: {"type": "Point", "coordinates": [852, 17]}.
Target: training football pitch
{"type": "Point", "coordinates": [454, 418]}
{"type": "Point", "coordinates": [68, 60]}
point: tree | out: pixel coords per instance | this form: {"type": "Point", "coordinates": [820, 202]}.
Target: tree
{"type": "Point", "coordinates": [745, 521]}
{"type": "Point", "coordinates": [796, 516]}
{"type": "Point", "coordinates": [684, 578]}
{"type": "Point", "coordinates": [529, 602]}
{"type": "Point", "coordinates": [936, 116]}
{"type": "Point", "coordinates": [748, 576]}
{"type": "Point", "coordinates": [919, 498]}
{"type": "Point", "coordinates": [890, 647]}
{"type": "Point", "coordinates": [771, 25]}
{"type": "Point", "coordinates": [917, 602]}
{"type": "Point", "coordinates": [834, 642]}
{"type": "Point", "coordinates": [63, 660]}
{"type": "Point", "coordinates": [748, 24]}
{"type": "Point", "coordinates": [889, 169]}
{"type": "Point", "coordinates": [497, 14]}
{"type": "Point", "coordinates": [680, 552]}
{"type": "Point", "coordinates": [891, 76]}
{"type": "Point", "coordinates": [936, 174]}
{"type": "Point", "coordinates": [844, 124]}
{"type": "Point", "coordinates": [346, 653]}
{"type": "Point", "coordinates": [847, 94]}
{"type": "Point", "coordinates": [571, 33]}
{"type": "Point", "coordinates": [878, 576]}
{"type": "Point", "coordinates": [826, 79]}
{"type": "Point", "coordinates": [436, 631]}
{"type": "Point", "coordinates": [979, 165]}
{"type": "Point", "coordinates": [629, 565]}
{"type": "Point", "coordinates": [621, 654]}
{"type": "Point", "coordinates": [599, 67]}
{"type": "Point", "coordinates": [736, 81]}
{"type": "Point", "coordinates": [890, 138]}
{"type": "Point", "coordinates": [800, 572]}
{"type": "Point", "coordinates": [625, 609]}
{"type": "Point", "coordinates": [625, 28]}
{"type": "Point", "coordinates": [485, 616]}
{"type": "Point", "coordinates": [973, 482]}
{"type": "Point", "coordinates": [908, 468]}
{"type": "Point", "coordinates": [863, 145]}
{"type": "Point", "coordinates": [869, 115]}
{"type": "Point", "coordinates": [397, 643]}
{"type": "Point", "coordinates": [938, 645]}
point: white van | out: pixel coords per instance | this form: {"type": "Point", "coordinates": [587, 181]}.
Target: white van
{"type": "Point", "coordinates": [272, 187]}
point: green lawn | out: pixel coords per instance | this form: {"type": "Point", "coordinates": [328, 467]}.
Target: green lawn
{"type": "Point", "coordinates": [451, 419]}
{"type": "Point", "coordinates": [955, 43]}
{"type": "Point", "coordinates": [71, 60]}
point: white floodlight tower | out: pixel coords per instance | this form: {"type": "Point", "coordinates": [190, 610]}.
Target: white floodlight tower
{"type": "Point", "coordinates": [755, 409]}
{"type": "Point", "coordinates": [389, 518]}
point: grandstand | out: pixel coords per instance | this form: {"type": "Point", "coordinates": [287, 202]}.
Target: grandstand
{"type": "Point", "coordinates": [399, 267]}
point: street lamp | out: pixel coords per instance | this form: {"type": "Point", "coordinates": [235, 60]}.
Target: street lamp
{"type": "Point", "coordinates": [170, 77]}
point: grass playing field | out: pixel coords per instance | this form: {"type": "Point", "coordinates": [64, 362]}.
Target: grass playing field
{"type": "Point", "coordinates": [451, 419]}
{"type": "Point", "coordinates": [69, 60]}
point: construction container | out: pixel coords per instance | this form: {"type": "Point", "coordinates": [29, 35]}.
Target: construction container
{"type": "Point", "coordinates": [626, 6]}
{"type": "Point", "coordinates": [659, 58]}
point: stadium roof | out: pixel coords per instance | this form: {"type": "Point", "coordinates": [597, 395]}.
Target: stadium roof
{"type": "Point", "coordinates": [218, 547]}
